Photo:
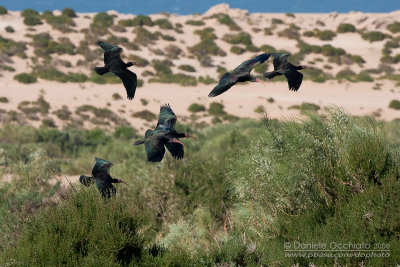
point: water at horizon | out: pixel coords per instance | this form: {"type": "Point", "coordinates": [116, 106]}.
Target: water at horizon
{"type": "Point", "coordinates": [184, 7]}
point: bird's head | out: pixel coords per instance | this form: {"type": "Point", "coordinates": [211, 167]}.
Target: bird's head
{"type": "Point", "coordinates": [191, 136]}
{"type": "Point", "coordinates": [121, 182]}
{"type": "Point", "coordinates": [106, 166]}
{"type": "Point", "coordinates": [130, 64]}
{"type": "Point", "coordinates": [304, 67]}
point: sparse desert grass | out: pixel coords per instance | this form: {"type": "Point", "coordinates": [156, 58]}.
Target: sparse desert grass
{"type": "Point", "coordinates": [237, 50]}
{"type": "Point", "coordinates": [10, 48]}
{"type": "Point", "coordinates": [207, 80]}
{"type": "Point", "coordinates": [141, 62]}
{"type": "Point", "coordinates": [187, 68]}
{"type": "Point", "coordinates": [163, 24]}
{"type": "Point", "coordinates": [144, 37]}
{"type": "Point", "coordinates": [173, 51]}
{"type": "Point", "coordinates": [259, 109]}
{"type": "Point", "coordinates": [226, 20]}
{"type": "Point", "coordinates": [195, 22]}
{"type": "Point", "coordinates": [116, 96]}
{"type": "Point", "coordinates": [139, 20]}
{"type": "Point", "coordinates": [63, 113]}
{"type": "Point", "coordinates": [3, 99]}
{"type": "Point", "coordinates": [144, 101]}
{"type": "Point", "coordinates": [216, 109]}
{"type": "Point", "coordinates": [101, 22]}
{"type": "Point", "coordinates": [207, 46]}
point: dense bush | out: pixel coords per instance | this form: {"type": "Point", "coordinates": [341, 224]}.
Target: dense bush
{"type": "Point", "coordinates": [139, 20]}
{"type": "Point", "coordinates": [101, 22]}
{"type": "Point", "coordinates": [206, 80]}
{"type": "Point", "coordinates": [373, 36]}
{"type": "Point", "coordinates": [173, 51]}
{"type": "Point", "coordinates": [290, 33]}
{"type": "Point", "coordinates": [237, 50]}
{"type": "Point", "coordinates": [145, 115]}
{"type": "Point", "coordinates": [9, 29]}
{"type": "Point", "coordinates": [11, 48]}
{"type": "Point", "coordinates": [226, 20]}
{"type": "Point", "coordinates": [31, 17]}
{"type": "Point", "coordinates": [345, 27]}
{"type": "Point", "coordinates": [3, 10]}
{"type": "Point", "coordinates": [69, 12]}
{"type": "Point", "coordinates": [144, 37]}
{"type": "Point", "coordinates": [394, 27]}
{"type": "Point", "coordinates": [25, 78]}
{"type": "Point", "coordinates": [207, 46]}
{"type": "Point", "coordinates": [394, 104]}
{"type": "Point", "coordinates": [3, 99]}
{"type": "Point", "coordinates": [195, 107]}
{"type": "Point", "coordinates": [216, 109]}
{"type": "Point", "coordinates": [276, 21]}
{"type": "Point", "coordinates": [163, 24]}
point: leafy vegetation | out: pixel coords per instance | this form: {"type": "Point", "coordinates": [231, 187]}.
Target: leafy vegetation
{"type": "Point", "coordinates": [3, 10]}
{"type": "Point", "coordinates": [31, 17]}
{"type": "Point", "coordinates": [373, 36]}
{"type": "Point", "coordinates": [195, 22]}
{"type": "Point", "coordinates": [163, 24]}
{"type": "Point", "coordinates": [394, 27]}
{"type": "Point", "coordinates": [25, 78]}
{"type": "Point", "coordinates": [237, 197]}
{"type": "Point", "coordinates": [226, 20]}
{"type": "Point", "coordinates": [345, 27]}
{"type": "Point", "coordinates": [187, 68]}
{"type": "Point", "coordinates": [195, 107]}
{"type": "Point", "coordinates": [101, 22]}
{"type": "Point", "coordinates": [394, 104]}
{"type": "Point", "coordinates": [139, 20]}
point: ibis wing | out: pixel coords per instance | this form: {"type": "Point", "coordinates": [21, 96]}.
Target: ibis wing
{"type": "Point", "coordinates": [294, 78]}
{"type": "Point", "coordinates": [154, 148]}
{"type": "Point", "coordinates": [129, 79]}
{"type": "Point", "coordinates": [85, 180]}
{"type": "Point", "coordinates": [167, 116]}
{"type": "Point", "coordinates": [176, 150]}
{"type": "Point", "coordinates": [246, 67]}
{"type": "Point", "coordinates": [280, 59]}
{"type": "Point", "coordinates": [225, 82]}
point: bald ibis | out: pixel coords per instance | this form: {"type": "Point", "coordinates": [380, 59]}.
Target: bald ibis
{"type": "Point", "coordinates": [114, 64]}
{"type": "Point", "coordinates": [163, 135]}
{"type": "Point", "coordinates": [240, 74]}
{"type": "Point", "coordinates": [282, 66]}
{"type": "Point", "coordinates": [101, 176]}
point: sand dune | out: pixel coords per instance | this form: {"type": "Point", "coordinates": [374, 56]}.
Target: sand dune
{"type": "Point", "coordinates": [357, 98]}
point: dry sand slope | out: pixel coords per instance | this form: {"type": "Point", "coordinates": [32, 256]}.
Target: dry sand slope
{"type": "Point", "coordinates": [357, 98]}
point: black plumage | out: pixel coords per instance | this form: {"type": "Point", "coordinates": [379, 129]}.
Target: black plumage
{"type": "Point", "coordinates": [282, 66]}
{"type": "Point", "coordinates": [239, 74]}
{"type": "Point", "coordinates": [164, 135]}
{"type": "Point", "coordinates": [114, 64]}
{"type": "Point", "coordinates": [102, 178]}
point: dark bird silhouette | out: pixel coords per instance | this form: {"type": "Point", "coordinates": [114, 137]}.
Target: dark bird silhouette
{"type": "Point", "coordinates": [101, 176]}
{"type": "Point", "coordinates": [240, 74]}
{"type": "Point", "coordinates": [282, 66]}
{"type": "Point", "coordinates": [164, 135]}
{"type": "Point", "coordinates": [114, 64]}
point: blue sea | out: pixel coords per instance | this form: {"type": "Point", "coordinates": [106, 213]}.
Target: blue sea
{"type": "Point", "coordinates": [200, 6]}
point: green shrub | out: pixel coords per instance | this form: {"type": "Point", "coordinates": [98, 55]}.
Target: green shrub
{"type": "Point", "coordinates": [268, 31]}
{"type": "Point", "coordinates": [25, 78]}
{"type": "Point", "coordinates": [144, 101]}
{"type": "Point", "coordinates": [52, 74]}
{"type": "Point", "coordinates": [187, 68]}
{"type": "Point", "coordinates": [259, 109]}
{"type": "Point", "coordinates": [226, 20]}
{"type": "Point", "coordinates": [3, 10]}
{"type": "Point", "coordinates": [11, 48]}
{"type": "Point", "coordinates": [141, 62]}
{"type": "Point", "coordinates": [139, 20]}
{"type": "Point", "coordinates": [394, 27]}
{"type": "Point", "coordinates": [9, 29]}
{"type": "Point", "coordinates": [325, 35]}
{"type": "Point", "coordinates": [240, 38]}
{"type": "Point", "coordinates": [207, 80]}
{"type": "Point", "coordinates": [63, 113]}
{"type": "Point", "coordinates": [178, 78]}
{"type": "Point", "coordinates": [173, 51]}
{"type": "Point", "coordinates": [116, 96]}
{"type": "Point", "coordinates": [163, 24]}
{"type": "Point", "coordinates": [195, 107]}
{"type": "Point", "coordinates": [306, 108]}
{"type": "Point", "coordinates": [291, 15]}
{"type": "Point", "coordinates": [394, 104]}
{"type": "Point", "coordinates": [195, 22]}
{"type": "Point", "coordinates": [276, 21]}
{"type": "Point", "coordinates": [216, 109]}
{"type": "Point", "coordinates": [207, 47]}
{"type": "Point", "coordinates": [271, 100]}
{"type": "Point", "coordinates": [101, 22]}
{"type": "Point", "coordinates": [373, 36]}
{"type": "Point", "coordinates": [237, 50]}
{"type": "Point", "coordinates": [32, 20]}
{"type": "Point", "coordinates": [290, 33]}
{"type": "Point", "coordinates": [48, 123]}
{"type": "Point", "coordinates": [3, 99]}
{"type": "Point", "coordinates": [345, 27]}
{"type": "Point", "coordinates": [144, 37]}
{"type": "Point", "coordinates": [69, 12]}
{"type": "Point", "coordinates": [145, 115]}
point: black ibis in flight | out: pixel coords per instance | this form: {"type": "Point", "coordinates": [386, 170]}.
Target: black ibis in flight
{"type": "Point", "coordinates": [163, 136]}
{"type": "Point", "coordinates": [240, 74]}
{"type": "Point", "coordinates": [101, 176]}
{"type": "Point", "coordinates": [114, 64]}
{"type": "Point", "coordinates": [282, 66]}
